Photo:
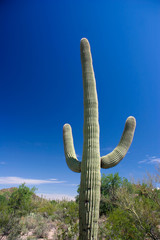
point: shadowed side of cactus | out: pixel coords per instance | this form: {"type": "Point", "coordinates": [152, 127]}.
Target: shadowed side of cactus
{"type": "Point", "coordinates": [89, 198]}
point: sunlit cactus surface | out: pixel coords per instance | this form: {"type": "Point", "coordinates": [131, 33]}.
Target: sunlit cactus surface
{"type": "Point", "coordinates": [91, 163]}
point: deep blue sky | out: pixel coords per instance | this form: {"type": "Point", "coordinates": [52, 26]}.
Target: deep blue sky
{"type": "Point", "coordinates": [41, 86]}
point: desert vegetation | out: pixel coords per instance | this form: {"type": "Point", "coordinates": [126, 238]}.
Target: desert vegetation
{"type": "Point", "coordinates": [127, 211]}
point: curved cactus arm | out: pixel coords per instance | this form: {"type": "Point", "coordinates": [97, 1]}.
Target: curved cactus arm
{"type": "Point", "coordinates": [69, 151]}
{"type": "Point", "coordinates": [113, 158]}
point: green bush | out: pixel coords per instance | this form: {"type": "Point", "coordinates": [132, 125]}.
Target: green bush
{"type": "Point", "coordinates": [20, 201]}
{"type": "Point", "coordinates": [109, 185]}
{"type": "Point", "coordinates": [142, 206]}
{"type": "Point", "coordinates": [12, 207]}
{"type": "Point", "coordinates": [120, 225]}
{"type": "Point", "coordinates": [46, 208]}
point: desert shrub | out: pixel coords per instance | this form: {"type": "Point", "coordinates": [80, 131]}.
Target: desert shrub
{"type": "Point", "coordinates": [67, 231]}
{"type": "Point", "coordinates": [132, 211]}
{"type": "Point", "coordinates": [11, 227]}
{"type": "Point", "coordinates": [4, 220]}
{"type": "Point", "coordinates": [20, 201]}
{"type": "Point", "coordinates": [67, 211]}
{"type": "Point", "coordinates": [3, 200]}
{"type": "Point", "coordinates": [120, 225]}
{"type": "Point", "coordinates": [31, 238]}
{"type": "Point", "coordinates": [4, 213]}
{"type": "Point", "coordinates": [67, 224]}
{"type": "Point", "coordinates": [46, 208]}
{"type": "Point", "coordinates": [8, 221]}
{"type": "Point", "coordinates": [142, 206]}
{"type": "Point", "coordinates": [37, 224]}
{"type": "Point", "coordinates": [109, 185]}
{"type": "Point", "coordinates": [12, 207]}
{"type": "Point", "coordinates": [71, 213]}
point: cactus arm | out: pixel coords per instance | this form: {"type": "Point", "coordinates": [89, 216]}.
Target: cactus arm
{"type": "Point", "coordinates": [89, 198]}
{"type": "Point", "coordinates": [69, 151]}
{"type": "Point", "coordinates": [113, 158]}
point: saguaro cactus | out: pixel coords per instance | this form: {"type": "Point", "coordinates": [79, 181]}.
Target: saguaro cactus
{"type": "Point", "coordinates": [89, 167]}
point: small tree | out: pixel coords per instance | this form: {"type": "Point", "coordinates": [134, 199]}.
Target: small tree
{"type": "Point", "coordinates": [142, 205]}
{"type": "Point", "coordinates": [20, 201]}
{"type": "Point", "coordinates": [109, 185]}
{"type": "Point", "coordinates": [121, 225]}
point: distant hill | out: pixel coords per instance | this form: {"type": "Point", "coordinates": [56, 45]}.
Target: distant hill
{"type": "Point", "coordinates": [8, 191]}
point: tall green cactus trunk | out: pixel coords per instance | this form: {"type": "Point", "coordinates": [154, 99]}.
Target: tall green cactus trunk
{"type": "Point", "coordinates": [89, 199]}
{"type": "Point", "coordinates": [90, 166]}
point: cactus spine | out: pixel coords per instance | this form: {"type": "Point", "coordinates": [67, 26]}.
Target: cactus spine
{"type": "Point", "coordinates": [89, 198]}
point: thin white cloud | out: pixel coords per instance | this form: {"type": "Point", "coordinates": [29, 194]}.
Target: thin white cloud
{"type": "Point", "coordinates": [155, 160]}
{"type": "Point", "coordinates": [143, 161]}
{"type": "Point", "coordinates": [51, 196]}
{"type": "Point", "coordinates": [18, 180]}
{"type": "Point", "coordinates": [150, 160]}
